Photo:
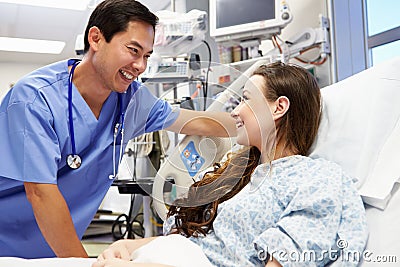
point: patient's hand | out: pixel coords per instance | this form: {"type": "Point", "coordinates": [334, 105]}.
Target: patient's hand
{"type": "Point", "coordinates": [117, 250]}
{"type": "Point", "coordinates": [122, 249]}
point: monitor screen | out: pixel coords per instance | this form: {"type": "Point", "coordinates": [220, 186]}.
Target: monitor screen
{"type": "Point", "coordinates": [241, 20]}
{"type": "Point", "coordinates": [257, 11]}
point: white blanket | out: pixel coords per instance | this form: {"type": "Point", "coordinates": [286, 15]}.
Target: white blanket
{"type": "Point", "coordinates": [174, 250]}
{"type": "Point", "coordinates": [46, 262]}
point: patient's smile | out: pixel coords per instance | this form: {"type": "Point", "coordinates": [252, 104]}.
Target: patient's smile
{"type": "Point", "coordinates": [239, 124]}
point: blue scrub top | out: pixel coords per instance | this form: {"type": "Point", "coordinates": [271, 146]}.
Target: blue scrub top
{"type": "Point", "coordinates": [35, 141]}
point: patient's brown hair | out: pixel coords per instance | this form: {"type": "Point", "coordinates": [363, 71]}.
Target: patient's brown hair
{"type": "Point", "coordinates": [297, 129]}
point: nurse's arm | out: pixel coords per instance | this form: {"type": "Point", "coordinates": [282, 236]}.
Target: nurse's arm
{"type": "Point", "coordinates": [54, 219]}
{"type": "Point", "coordinates": [204, 123]}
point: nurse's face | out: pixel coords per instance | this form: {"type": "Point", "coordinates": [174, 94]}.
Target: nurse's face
{"type": "Point", "coordinates": [119, 62]}
{"type": "Point", "coordinates": [254, 122]}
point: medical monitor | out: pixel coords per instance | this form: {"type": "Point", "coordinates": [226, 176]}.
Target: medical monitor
{"type": "Point", "coordinates": [238, 20]}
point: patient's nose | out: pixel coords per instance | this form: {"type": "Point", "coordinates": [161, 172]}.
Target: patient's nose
{"type": "Point", "coordinates": [234, 112]}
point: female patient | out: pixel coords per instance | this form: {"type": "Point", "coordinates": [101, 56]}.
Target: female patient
{"type": "Point", "coordinates": [268, 204]}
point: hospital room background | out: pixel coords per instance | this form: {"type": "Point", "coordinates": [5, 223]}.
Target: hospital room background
{"type": "Point", "coordinates": [338, 41]}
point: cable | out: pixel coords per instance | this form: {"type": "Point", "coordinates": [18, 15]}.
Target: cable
{"type": "Point", "coordinates": [318, 61]}
{"type": "Point", "coordinates": [141, 227]}
{"type": "Point", "coordinates": [208, 70]}
{"type": "Point", "coordinates": [276, 44]}
{"type": "Point", "coordinates": [309, 48]}
{"type": "Point", "coordinates": [123, 225]}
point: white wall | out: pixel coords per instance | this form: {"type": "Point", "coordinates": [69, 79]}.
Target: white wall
{"type": "Point", "coordinates": [12, 72]}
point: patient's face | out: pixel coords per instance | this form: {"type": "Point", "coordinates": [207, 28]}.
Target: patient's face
{"type": "Point", "coordinates": [253, 116]}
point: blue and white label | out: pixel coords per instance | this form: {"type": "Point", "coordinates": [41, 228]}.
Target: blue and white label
{"type": "Point", "coordinates": [192, 159]}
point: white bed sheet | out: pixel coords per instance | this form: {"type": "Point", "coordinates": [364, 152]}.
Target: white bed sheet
{"type": "Point", "coordinates": [46, 262]}
{"type": "Point", "coordinates": [384, 237]}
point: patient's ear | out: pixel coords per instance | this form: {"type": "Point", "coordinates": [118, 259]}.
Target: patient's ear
{"type": "Point", "coordinates": [280, 107]}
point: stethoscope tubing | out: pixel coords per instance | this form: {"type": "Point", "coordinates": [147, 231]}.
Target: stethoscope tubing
{"type": "Point", "coordinates": [71, 121]}
{"type": "Point", "coordinates": [119, 127]}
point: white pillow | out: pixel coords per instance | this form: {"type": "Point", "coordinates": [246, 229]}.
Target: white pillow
{"type": "Point", "coordinates": [360, 129]}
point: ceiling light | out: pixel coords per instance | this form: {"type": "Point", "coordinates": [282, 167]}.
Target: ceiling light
{"type": "Point", "coordinates": [63, 4]}
{"type": "Point", "coordinates": [31, 45]}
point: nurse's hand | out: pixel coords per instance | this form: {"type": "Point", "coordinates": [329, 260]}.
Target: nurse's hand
{"type": "Point", "coordinates": [117, 250]}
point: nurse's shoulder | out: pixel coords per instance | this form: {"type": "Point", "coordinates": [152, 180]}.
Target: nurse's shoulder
{"type": "Point", "coordinates": [41, 80]}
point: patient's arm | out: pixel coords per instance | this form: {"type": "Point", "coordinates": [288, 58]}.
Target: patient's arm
{"type": "Point", "coordinates": [122, 249]}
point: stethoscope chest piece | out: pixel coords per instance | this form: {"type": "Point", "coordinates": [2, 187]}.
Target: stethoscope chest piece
{"type": "Point", "coordinates": [74, 161]}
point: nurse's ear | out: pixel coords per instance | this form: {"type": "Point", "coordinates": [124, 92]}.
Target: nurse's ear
{"type": "Point", "coordinates": [94, 37]}
{"type": "Point", "coordinates": [280, 107]}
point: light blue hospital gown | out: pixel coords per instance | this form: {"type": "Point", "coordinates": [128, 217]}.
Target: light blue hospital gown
{"type": "Point", "coordinates": [299, 211]}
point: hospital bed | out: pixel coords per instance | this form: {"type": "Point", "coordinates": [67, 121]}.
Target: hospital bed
{"type": "Point", "coordinates": [360, 130]}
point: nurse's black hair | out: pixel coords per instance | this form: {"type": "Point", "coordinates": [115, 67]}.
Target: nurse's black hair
{"type": "Point", "coordinates": [113, 16]}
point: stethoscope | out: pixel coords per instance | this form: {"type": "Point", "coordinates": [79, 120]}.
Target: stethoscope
{"type": "Point", "coordinates": [74, 161]}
